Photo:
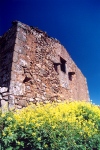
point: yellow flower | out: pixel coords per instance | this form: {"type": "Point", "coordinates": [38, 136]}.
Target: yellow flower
{"type": "Point", "coordinates": [34, 134]}
{"type": "Point", "coordinates": [53, 127]}
{"type": "Point", "coordinates": [3, 134]}
{"type": "Point", "coordinates": [39, 139]}
{"type": "Point", "coordinates": [22, 127]}
{"type": "Point", "coordinates": [3, 115]}
{"type": "Point", "coordinates": [46, 146]}
{"type": "Point", "coordinates": [18, 142]}
{"type": "Point", "coordinates": [37, 124]}
{"type": "Point", "coordinates": [9, 119]}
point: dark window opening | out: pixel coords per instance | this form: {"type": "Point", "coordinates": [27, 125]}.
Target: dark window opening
{"type": "Point", "coordinates": [56, 66]}
{"type": "Point", "coordinates": [63, 65]}
{"type": "Point", "coordinates": [70, 75]}
{"type": "Point", "coordinates": [26, 79]}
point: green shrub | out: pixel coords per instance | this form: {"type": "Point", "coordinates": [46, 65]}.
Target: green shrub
{"type": "Point", "coordinates": [56, 126]}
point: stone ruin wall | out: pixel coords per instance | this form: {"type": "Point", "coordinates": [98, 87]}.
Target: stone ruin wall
{"type": "Point", "coordinates": [7, 42]}
{"type": "Point", "coordinates": [30, 69]}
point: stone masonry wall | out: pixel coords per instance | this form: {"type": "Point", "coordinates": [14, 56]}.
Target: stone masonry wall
{"type": "Point", "coordinates": [7, 42]}
{"type": "Point", "coordinates": [41, 69]}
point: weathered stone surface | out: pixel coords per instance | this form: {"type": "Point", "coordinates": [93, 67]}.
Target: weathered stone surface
{"type": "Point", "coordinates": [11, 102]}
{"type": "Point", "coordinates": [22, 37]}
{"type": "Point", "coordinates": [17, 88]}
{"type": "Point", "coordinates": [4, 106]}
{"type": "Point", "coordinates": [3, 89]}
{"type": "Point", "coordinates": [38, 99]}
{"type": "Point", "coordinates": [5, 94]}
{"type": "Point", "coordinates": [22, 103]}
{"type": "Point", "coordinates": [5, 98]}
{"type": "Point", "coordinates": [37, 68]}
{"type": "Point", "coordinates": [12, 98]}
{"type": "Point", "coordinates": [15, 57]}
{"type": "Point", "coordinates": [31, 99]}
{"type": "Point", "coordinates": [0, 96]}
{"type": "Point", "coordinates": [19, 106]}
{"type": "Point", "coordinates": [17, 68]}
{"type": "Point", "coordinates": [19, 49]}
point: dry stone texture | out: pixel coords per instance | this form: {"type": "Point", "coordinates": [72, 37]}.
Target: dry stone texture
{"type": "Point", "coordinates": [37, 68]}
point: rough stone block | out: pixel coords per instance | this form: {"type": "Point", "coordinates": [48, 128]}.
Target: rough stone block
{"type": "Point", "coordinates": [5, 98]}
{"type": "Point", "coordinates": [15, 57]}
{"type": "Point", "coordinates": [21, 36]}
{"type": "Point", "coordinates": [22, 103]}
{"type": "Point", "coordinates": [0, 96]}
{"type": "Point", "coordinates": [31, 99]}
{"type": "Point", "coordinates": [17, 88]}
{"type": "Point", "coordinates": [4, 106]}
{"type": "Point", "coordinates": [5, 94]}
{"type": "Point", "coordinates": [19, 106]}
{"type": "Point", "coordinates": [3, 89]}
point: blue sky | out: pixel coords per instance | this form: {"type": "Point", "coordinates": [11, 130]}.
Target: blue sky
{"type": "Point", "coordinates": [75, 23]}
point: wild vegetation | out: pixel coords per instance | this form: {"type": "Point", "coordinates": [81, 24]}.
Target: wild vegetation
{"type": "Point", "coordinates": [55, 126]}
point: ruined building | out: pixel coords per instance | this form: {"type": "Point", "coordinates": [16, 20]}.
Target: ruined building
{"type": "Point", "coordinates": [35, 67]}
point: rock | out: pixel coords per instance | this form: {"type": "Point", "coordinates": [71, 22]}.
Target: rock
{"type": "Point", "coordinates": [5, 94]}
{"type": "Point", "coordinates": [15, 57]}
{"type": "Point", "coordinates": [17, 88]}
{"type": "Point", "coordinates": [23, 63]}
{"type": "Point", "coordinates": [38, 65]}
{"type": "Point", "coordinates": [20, 49]}
{"type": "Point", "coordinates": [38, 99]}
{"type": "Point", "coordinates": [5, 98]}
{"type": "Point", "coordinates": [19, 107]}
{"type": "Point", "coordinates": [0, 96]}
{"type": "Point", "coordinates": [31, 99]}
{"type": "Point", "coordinates": [3, 89]}
{"type": "Point", "coordinates": [22, 37]}
{"type": "Point", "coordinates": [22, 103]}
{"type": "Point", "coordinates": [4, 106]}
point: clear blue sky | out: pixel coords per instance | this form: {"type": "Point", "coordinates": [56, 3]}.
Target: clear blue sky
{"type": "Point", "coordinates": [75, 23]}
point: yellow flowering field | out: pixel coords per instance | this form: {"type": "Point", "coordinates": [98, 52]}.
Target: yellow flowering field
{"type": "Point", "coordinates": [53, 126]}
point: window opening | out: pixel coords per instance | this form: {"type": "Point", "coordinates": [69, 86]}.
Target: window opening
{"type": "Point", "coordinates": [70, 75]}
{"type": "Point", "coordinates": [56, 66]}
{"type": "Point", "coordinates": [63, 65]}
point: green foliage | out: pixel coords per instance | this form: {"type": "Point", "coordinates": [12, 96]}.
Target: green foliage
{"type": "Point", "coordinates": [62, 126]}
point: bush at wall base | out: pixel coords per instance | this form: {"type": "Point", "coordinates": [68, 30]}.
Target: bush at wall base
{"type": "Point", "coordinates": [56, 126]}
